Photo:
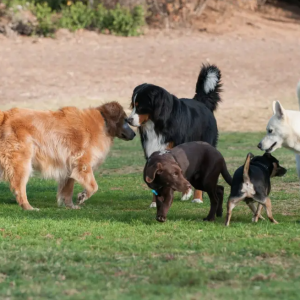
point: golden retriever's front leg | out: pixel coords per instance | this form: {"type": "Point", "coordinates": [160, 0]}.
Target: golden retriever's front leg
{"type": "Point", "coordinates": [84, 175]}
{"type": "Point", "coordinates": [65, 194]}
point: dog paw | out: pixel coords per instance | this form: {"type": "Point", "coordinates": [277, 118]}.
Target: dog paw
{"type": "Point", "coordinates": [197, 201]}
{"type": "Point", "coordinates": [209, 219]}
{"type": "Point", "coordinates": [29, 207]}
{"type": "Point", "coordinates": [187, 195]}
{"type": "Point", "coordinates": [219, 214]}
{"type": "Point", "coordinates": [161, 219]}
{"type": "Point", "coordinates": [33, 209]}
{"type": "Point", "coordinates": [81, 197]}
{"type": "Point", "coordinates": [60, 202]}
{"type": "Point", "coordinates": [153, 204]}
{"type": "Point", "coordinates": [275, 222]}
{"type": "Point", "coordinates": [73, 207]}
{"type": "Point", "coordinates": [260, 217]}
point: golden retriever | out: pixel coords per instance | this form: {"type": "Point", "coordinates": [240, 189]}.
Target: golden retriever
{"type": "Point", "coordinates": [65, 145]}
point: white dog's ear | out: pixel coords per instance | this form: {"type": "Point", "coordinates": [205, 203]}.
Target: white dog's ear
{"type": "Point", "coordinates": [278, 110]}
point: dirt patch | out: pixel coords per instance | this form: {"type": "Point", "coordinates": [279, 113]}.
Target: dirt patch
{"type": "Point", "coordinates": [259, 59]}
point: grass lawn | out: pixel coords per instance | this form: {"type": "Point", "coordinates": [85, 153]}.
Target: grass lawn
{"type": "Point", "coordinates": [113, 248]}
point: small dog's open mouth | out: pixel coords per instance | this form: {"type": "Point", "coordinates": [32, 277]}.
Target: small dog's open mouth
{"type": "Point", "coordinates": [270, 149]}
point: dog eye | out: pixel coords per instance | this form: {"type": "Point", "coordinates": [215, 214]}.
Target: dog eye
{"type": "Point", "coordinates": [270, 130]}
{"type": "Point", "coordinates": [175, 174]}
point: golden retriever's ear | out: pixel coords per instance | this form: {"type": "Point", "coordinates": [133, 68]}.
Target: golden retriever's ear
{"type": "Point", "coordinates": [113, 111]}
{"type": "Point", "coordinates": [152, 171]}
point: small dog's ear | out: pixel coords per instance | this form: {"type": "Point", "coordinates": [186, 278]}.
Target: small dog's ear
{"type": "Point", "coordinates": [250, 154]}
{"type": "Point", "coordinates": [278, 110]}
{"type": "Point", "coordinates": [152, 171]}
{"type": "Point", "coordinates": [280, 171]}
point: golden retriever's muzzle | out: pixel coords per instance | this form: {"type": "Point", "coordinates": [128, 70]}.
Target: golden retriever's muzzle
{"type": "Point", "coordinates": [127, 133]}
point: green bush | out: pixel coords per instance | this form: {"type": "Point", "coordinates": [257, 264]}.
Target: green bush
{"type": "Point", "coordinates": [52, 14]}
{"type": "Point", "coordinates": [119, 21]}
{"type": "Point", "coordinates": [46, 24]}
{"type": "Point", "coordinates": [122, 21]}
{"type": "Point", "coordinates": [76, 16]}
{"type": "Point", "coordinates": [100, 17]}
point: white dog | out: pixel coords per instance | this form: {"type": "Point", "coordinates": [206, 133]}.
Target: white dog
{"type": "Point", "coordinates": [283, 130]}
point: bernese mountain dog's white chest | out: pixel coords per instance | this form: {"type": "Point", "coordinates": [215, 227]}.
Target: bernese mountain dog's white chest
{"type": "Point", "coordinates": [153, 141]}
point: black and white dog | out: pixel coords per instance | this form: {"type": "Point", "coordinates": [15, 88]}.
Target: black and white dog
{"type": "Point", "coordinates": [164, 121]}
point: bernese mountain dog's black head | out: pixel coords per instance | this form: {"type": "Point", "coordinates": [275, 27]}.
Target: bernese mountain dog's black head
{"type": "Point", "coordinates": [150, 102]}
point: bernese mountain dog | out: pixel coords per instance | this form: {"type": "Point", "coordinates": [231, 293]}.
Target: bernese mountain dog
{"type": "Point", "coordinates": [164, 121]}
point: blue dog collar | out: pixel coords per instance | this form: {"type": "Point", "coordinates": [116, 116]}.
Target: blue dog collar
{"type": "Point", "coordinates": [154, 192]}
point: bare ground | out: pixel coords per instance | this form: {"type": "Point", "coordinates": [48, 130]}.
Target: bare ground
{"type": "Point", "coordinates": [259, 59]}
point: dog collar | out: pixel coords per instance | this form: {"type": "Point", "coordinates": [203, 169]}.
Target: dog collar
{"type": "Point", "coordinates": [258, 163]}
{"type": "Point", "coordinates": [154, 192]}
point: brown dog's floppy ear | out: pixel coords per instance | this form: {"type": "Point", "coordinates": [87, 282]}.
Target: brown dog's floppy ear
{"type": "Point", "coordinates": [112, 111]}
{"type": "Point", "coordinates": [152, 171]}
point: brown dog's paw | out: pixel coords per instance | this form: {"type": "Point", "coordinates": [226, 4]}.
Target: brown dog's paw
{"type": "Point", "coordinates": [161, 219]}
{"type": "Point", "coordinates": [209, 219]}
{"type": "Point", "coordinates": [219, 213]}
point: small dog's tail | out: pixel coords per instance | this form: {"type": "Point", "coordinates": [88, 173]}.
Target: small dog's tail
{"type": "Point", "coordinates": [247, 187]}
{"type": "Point", "coordinates": [226, 175]}
{"type": "Point", "coordinates": [209, 86]}
{"type": "Point", "coordinates": [246, 177]}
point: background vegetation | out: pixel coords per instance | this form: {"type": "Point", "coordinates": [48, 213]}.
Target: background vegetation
{"type": "Point", "coordinates": [119, 17]}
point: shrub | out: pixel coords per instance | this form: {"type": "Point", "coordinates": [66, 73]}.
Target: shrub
{"type": "Point", "coordinates": [46, 24]}
{"type": "Point", "coordinates": [76, 16]}
{"type": "Point", "coordinates": [122, 21]}
{"type": "Point", "coordinates": [100, 17]}
{"type": "Point", "coordinates": [119, 21]}
{"type": "Point", "coordinates": [51, 14]}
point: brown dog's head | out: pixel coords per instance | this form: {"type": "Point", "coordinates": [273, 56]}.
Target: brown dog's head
{"type": "Point", "coordinates": [162, 170]}
{"type": "Point", "coordinates": [115, 119]}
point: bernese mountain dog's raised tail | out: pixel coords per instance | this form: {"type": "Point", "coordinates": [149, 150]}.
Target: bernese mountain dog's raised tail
{"type": "Point", "coordinates": [208, 86]}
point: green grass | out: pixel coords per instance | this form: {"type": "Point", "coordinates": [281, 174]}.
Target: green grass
{"type": "Point", "coordinates": [114, 249]}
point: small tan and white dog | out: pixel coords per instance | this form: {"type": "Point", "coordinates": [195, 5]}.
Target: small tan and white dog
{"type": "Point", "coordinates": [65, 145]}
{"type": "Point", "coordinates": [283, 130]}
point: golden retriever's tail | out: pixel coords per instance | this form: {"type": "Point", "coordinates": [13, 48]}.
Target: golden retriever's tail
{"type": "Point", "coordinates": [247, 187]}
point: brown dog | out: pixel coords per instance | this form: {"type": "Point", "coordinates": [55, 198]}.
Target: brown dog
{"type": "Point", "coordinates": [65, 145]}
{"type": "Point", "coordinates": [196, 163]}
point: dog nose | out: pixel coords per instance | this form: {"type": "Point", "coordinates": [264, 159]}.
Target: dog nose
{"type": "Point", "coordinates": [259, 146]}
